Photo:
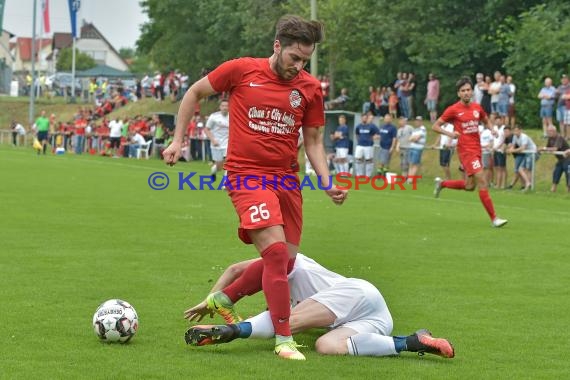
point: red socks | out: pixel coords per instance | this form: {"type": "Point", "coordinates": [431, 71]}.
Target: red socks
{"type": "Point", "coordinates": [487, 203]}
{"type": "Point", "coordinates": [457, 184]}
{"type": "Point", "coordinates": [275, 286]}
{"type": "Point", "coordinates": [249, 282]}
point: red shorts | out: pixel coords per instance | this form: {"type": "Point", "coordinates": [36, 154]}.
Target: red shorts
{"type": "Point", "coordinates": [261, 203]}
{"type": "Point", "coordinates": [471, 162]}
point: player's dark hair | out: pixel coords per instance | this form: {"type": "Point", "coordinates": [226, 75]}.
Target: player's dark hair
{"type": "Point", "coordinates": [507, 127]}
{"type": "Point", "coordinates": [291, 29]}
{"type": "Point", "coordinates": [462, 82]}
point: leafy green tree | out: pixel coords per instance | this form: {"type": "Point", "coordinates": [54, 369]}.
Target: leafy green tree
{"type": "Point", "coordinates": [536, 43]}
{"type": "Point", "coordinates": [82, 60]}
{"type": "Point", "coordinates": [368, 41]}
{"type": "Point", "coordinates": [127, 53]}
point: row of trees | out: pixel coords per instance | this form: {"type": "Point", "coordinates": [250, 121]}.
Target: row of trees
{"type": "Point", "coordinates": [368, 41]}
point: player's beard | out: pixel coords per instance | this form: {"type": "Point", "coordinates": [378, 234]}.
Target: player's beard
{"type": "Point", "coordinates": [282, 71]}
{"type": "Point", "coordinates": [466, 99]}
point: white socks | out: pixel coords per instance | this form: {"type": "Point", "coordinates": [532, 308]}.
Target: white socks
{"type": "Point", "coordinates": [369, 168]}
{"type": "Point", "coordinates": [359, 168]}
{"type": "Point", "coordinates": [369, 344]}
{"type": "Point", "coordinates": [261, 326]}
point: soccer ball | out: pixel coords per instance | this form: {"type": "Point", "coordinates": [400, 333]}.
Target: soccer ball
{"type": "Point", "coordinates": [115, 321]}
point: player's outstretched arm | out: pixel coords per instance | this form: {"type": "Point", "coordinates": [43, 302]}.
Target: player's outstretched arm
{"type": "Point", "coordinates": [199, 90]}
{"type": "Point", "coordinates": [196, 313]}
{"type": "Point", "coordinates": [436, 127]}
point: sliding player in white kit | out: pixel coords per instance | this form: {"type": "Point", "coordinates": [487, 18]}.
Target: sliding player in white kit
{"type": "Point", "coordinates": [218, 130]}
{"type": "Point", "coordinates": [352, 308]}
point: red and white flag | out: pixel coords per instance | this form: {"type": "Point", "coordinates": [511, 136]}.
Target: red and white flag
{"type": "Point", "coordinates": [45, 10]}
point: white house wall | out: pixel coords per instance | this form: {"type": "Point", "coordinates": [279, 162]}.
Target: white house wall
{"type": "Point", "coordinates": [99, 51]}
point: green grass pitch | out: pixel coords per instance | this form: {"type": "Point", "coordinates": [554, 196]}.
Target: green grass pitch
{"type": "Point", "coordinates": [75, 231]}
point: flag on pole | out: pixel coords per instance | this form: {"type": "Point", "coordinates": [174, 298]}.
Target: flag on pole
{"type": "Point", "coordinates": [45, 10]}
{"type": "Point", "coordinates": [2, 2]}
{"type": "Point", "coordinates": [73, 8]}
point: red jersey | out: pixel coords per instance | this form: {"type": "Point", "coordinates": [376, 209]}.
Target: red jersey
{"type": "Point", "coordinates": [266, 113]}
{"type": "Point", "coordinates": [466, 119]}
{"type": "Point", "coordinates": [80, 125]}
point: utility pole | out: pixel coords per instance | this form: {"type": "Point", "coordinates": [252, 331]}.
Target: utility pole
{"type": "Point", "coordinates": [33, 58]}
{"type": "Point", "coordinates": [314, 57]}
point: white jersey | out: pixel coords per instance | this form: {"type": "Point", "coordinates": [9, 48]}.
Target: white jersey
{"type": "Point", "coordinates": [115, 128]}
{"type": "Point", "coordinates": [486, 139]}
{"type": "Point", "coordinates": [421, 142]}
{"type": "Point", "coordinates": [308, 278]}
{"type": "Point", "coordinates": [444, 139]}
{"type": "Point", "coordinates": [356, 303]}
{"type": "Point", "coordinates": [220, 127]}
{"type": "Point", "coordinates": [499, 139]}
{"type": "Point", "coordinates": [20, 129]}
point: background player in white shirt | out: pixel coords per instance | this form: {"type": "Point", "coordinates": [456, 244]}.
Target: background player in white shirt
{"type": "Point", "coordinates": [217, 130]}
{"type": "Point", "coordinates": [486, 138]}
{"type": "Point", "coordinates": [499, 157]}
{"type": "Point", "coordinates": [352, 308]}
{"type": "Point", "coordinates": [445, 145]}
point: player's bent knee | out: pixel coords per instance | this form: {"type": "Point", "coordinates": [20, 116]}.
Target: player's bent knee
{"type": "Point", "coordinates": [328, 346]}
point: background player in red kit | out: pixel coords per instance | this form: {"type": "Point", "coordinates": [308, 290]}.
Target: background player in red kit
{"type": "Point", "coordinates": [270, 99]}
{"type": "Point", "coordinates": [465, 117]}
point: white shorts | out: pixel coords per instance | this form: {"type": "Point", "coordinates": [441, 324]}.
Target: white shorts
{"type": "Point", "coordinates": [358, 305]}
{"type": "Point", "coordinates": [366, 152]}
{"type": "Point", "coordinates": [341, 153]}
{"type": "Point", "coordinates": [219, 154]}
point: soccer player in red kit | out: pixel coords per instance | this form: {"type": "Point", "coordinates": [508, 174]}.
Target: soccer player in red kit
{"type": "Point", "coordinates": [465, 117]}
{"type": "Point", "coordinates": [270, 100]}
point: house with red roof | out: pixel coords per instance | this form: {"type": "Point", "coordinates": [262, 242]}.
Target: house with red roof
{"type": "Point", "coordinates": [91, 42]}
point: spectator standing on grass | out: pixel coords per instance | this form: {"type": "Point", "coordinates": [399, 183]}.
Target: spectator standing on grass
{"type": "Point", "coordinates": [417, 145]}
{"type": "Point", "coordinates": [486, 98]}
{"type": "Point", "coordinates": [115, 133]}
{"type": "Point", "coordinates": [524, 162]}
{"type": "Point", "coordinates": [403, 143]}
{"type": "Point", "coordinates": [392, 103]}
{"type": "Point", "coordinates": [432, 96]}
{"type": "Point", "coordinates": [80, 126]}
{"type": "Point", "coordinates": [388, 134]}
{"type": "Point", "coordinates": [499, 157]}
{"type": "Point", "coordinates": [411, 94]}
{"type": "Point", "coordinates": [364, 152]}
{"type": "Point", "coordinates": [494, 90]}
{"type": "Point", "coordinates": [486, 137]}
{"type": "Point", "coordinates": [18, 133]}
{"type": "Point", "coordinates": [511, 120]}
{"type": "Point", "coordinates": [561, 108]}
{"type": "Point", "coordinates": [557, 143]}
{"type": "Point", "coordinates": [341, 145]}
{"type": "Point", "coordinates": [478, 88]}
{"type": "Point", "coordinates": [217, 131]}
{"type": "Point", "coordinates": [504, 97]}
{"type": "Point", "coordinates": [546, 95]}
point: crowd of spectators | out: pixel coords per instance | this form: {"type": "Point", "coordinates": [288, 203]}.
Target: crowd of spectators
{"type": "Point", "coordinates": [91, 131]}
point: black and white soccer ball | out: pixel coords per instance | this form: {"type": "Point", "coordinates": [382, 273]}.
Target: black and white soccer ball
{"type": "Point", "coordinates": [115, 321]}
